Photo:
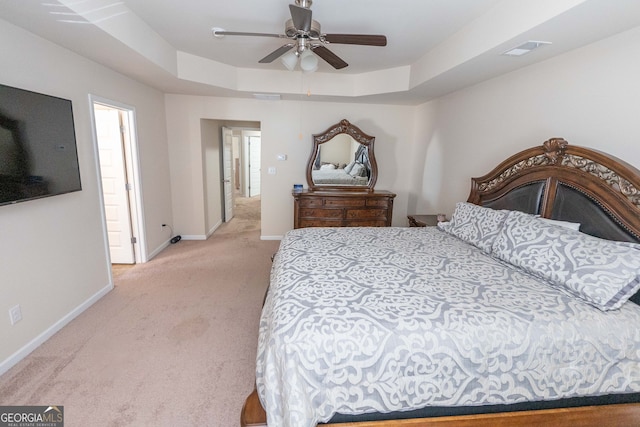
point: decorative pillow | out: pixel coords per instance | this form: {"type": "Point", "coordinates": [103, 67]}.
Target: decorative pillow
{"type": "Point", "coordinates": [328, 166]}
{"type": "Point", "coordinates": [348, 168]}
{"type": "Point", "coordinates": [602, 272]}
{"type": "Point", "coordinates": [357, 169]}
{"type": "Point", "coordinates": [476, 224]}
{"type": "Point", "coordinates": [566, 224]}
{"type": "Point", "coordinates": [444, 225]}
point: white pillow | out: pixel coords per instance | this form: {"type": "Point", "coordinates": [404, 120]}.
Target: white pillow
{"type": "Point", "coordinates": [348, 168]}
{"type": "Point", "coordinates": [328, 166]}
{"type": "Point", "coordinates": [565, 224]}
{"type": "Point", "coordinates": [357, 169]}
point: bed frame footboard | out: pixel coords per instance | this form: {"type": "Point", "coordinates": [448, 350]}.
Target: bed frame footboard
{"type": "Point", "coordinates": [622, 415]}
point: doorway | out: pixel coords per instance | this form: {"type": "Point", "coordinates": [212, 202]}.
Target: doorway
{"type": "Point", "coordinates": [252, 147]}
{"type": "Point", "coordinates": [240, 169]}
{"type": "Point", "coordinates": [115, 141]}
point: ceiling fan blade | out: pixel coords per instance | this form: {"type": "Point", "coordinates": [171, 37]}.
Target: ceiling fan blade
{"type": "Point", "coordinates": [361, 39]}
{"type": "Point", "coordinates": [301, 17]}
{"type": "Point", "coordinates": [333, 59]}
{"type": "Point", "coordinates": [218, 32]}
{"type": "Point", "coordinates": [276, 53]}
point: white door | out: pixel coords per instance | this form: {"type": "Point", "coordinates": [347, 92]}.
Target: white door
{"type": "Point", "coordinates": [227, 172]}
{"type": "Point", "coordinates": [114, 184]}
{"type": "Point", "coordinates": [254, 164]}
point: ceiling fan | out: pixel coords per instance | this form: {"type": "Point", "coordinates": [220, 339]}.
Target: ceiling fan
{"type": "Point", "coordinates": [305, 37]}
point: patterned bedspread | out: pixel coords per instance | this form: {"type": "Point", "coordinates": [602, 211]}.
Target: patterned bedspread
{"type": "Point", "coordinates": [364, 320]}
{"type": "Point", "coordinates": [337, 176]}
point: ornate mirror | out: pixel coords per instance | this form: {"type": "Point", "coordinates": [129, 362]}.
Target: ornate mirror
{"type": "Point", "coordinates": [342, 159]}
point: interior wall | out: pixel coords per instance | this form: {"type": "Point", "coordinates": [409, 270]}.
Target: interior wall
{"type": "Point", "coordinates": [54, 251]}
{"type": "Point", "coordinates": [588, 96]}
{"type": "Point", "coordinates": [211, 157]}
{"type": "Point", "coordinates": [287, 127]}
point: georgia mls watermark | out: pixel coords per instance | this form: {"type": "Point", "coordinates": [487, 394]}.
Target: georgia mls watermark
{"type": "Point", "coordinates": [31, 416]}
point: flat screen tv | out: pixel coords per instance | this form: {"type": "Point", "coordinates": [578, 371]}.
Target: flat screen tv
{"type": "Point", "coordinates": [38, 155]}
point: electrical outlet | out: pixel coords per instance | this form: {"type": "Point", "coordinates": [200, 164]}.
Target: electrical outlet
{"type": "Point", "coordinates": [15, 314]}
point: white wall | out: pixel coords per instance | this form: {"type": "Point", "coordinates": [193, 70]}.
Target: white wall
{"type": "Point", "coordinates": [211, 157]}
{"type": "Point", "coordinates": [286, 128]}
{"type": "Point", "coordinates": [589, 96]}
{"type": "Point", "coordinates": [53, 254]}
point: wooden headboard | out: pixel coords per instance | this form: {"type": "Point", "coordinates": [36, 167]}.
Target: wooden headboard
{"type": "Point", "coordinates": [568, 183]}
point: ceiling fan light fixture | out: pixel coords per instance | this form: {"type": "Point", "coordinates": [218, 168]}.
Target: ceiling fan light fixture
{"type": "Point", "coordinates": [308, 61]}
{"type": "Point", "coordinates": [290, 60]}
{"type": "Point", "coordinates": [305, 34]}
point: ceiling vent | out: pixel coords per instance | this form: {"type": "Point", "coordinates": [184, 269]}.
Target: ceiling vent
{"type": "Point", "coordinates": [525, 48]}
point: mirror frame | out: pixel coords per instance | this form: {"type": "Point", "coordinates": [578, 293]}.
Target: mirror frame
{"type": "Point", "coordinates": [353, 131]}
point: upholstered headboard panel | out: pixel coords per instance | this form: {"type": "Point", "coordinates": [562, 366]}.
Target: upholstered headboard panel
{"type": "Point", "coordinates": [526, 198]}
{"type": "Point", "coordinates": [574, 206]}
{"type": "Point", "coordinates": [567, 183]}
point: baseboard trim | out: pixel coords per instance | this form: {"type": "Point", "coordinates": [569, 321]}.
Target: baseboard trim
{"type": "Point", "coordinates": [16, 357]}
{"type": "Point", "coordinates": [270, 237]}
{"type": "Point", "coordinates": [159, 249]}
{"type": "Point", "coordinates": [194, 237]}
{"type": "Point", "coordinates": [214, 228]}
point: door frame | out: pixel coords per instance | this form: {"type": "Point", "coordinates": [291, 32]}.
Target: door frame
{"type": "Point", "coordinates": [133, 176]}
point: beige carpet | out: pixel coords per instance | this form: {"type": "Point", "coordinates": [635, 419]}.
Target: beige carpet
{"type": "Point", "coordinates": [173, 344]}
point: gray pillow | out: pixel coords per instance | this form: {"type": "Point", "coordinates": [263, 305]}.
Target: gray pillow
{"type": "Point", "coordinates": [602, 272]}
{"type": "Point", "coordinates": [567, 224]}
{"type": "Point", "coordinates": [476, 225]}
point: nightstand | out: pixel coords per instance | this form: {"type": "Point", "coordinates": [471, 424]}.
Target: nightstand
{"type": "Point", "coordinates": [422, 220]}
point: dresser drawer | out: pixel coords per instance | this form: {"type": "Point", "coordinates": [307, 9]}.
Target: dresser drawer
{"type": "Point", "coordinates": [321, 213]}
{"type": "Point", "coordinates": [304, 222]}
{"type": "Point", "coordinates": [311, 203]}
{"type": "Point", "coordinates": [382, 203]}
{"type": "Point", "coordinates": [366, 213]}
{"type": "Point", "coordinates": [340, 202]}
{"type": "Point", "coordinates": [366, 223]}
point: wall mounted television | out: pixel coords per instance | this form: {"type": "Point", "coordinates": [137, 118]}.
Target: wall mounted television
{"type": "Point", "coordinates": [38, 154]}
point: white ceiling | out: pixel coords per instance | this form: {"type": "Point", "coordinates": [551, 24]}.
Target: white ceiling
{"type": "Point", "coordinates": [434, 46]}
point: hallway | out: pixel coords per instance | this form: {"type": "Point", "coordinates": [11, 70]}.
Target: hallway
{"type": "Point", "coordinates": [246, 216]}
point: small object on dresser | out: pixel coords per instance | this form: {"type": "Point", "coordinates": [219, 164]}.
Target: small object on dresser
{"type": "Point", "coordinates": [297, 187]}
{"type": "Point", "coordinates": [441, 217]}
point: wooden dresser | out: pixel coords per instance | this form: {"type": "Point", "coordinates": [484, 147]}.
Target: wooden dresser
{"type": "Point", "coordinates": [342, 208]}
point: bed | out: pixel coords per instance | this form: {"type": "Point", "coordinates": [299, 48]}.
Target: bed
{"type": "Point", "coordinates": [496, 318]}
{"type": "Point", "coordinates": [339, 176]}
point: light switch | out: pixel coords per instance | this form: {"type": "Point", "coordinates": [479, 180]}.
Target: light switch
{"type": "Point", "coordinates": [271, 171]}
